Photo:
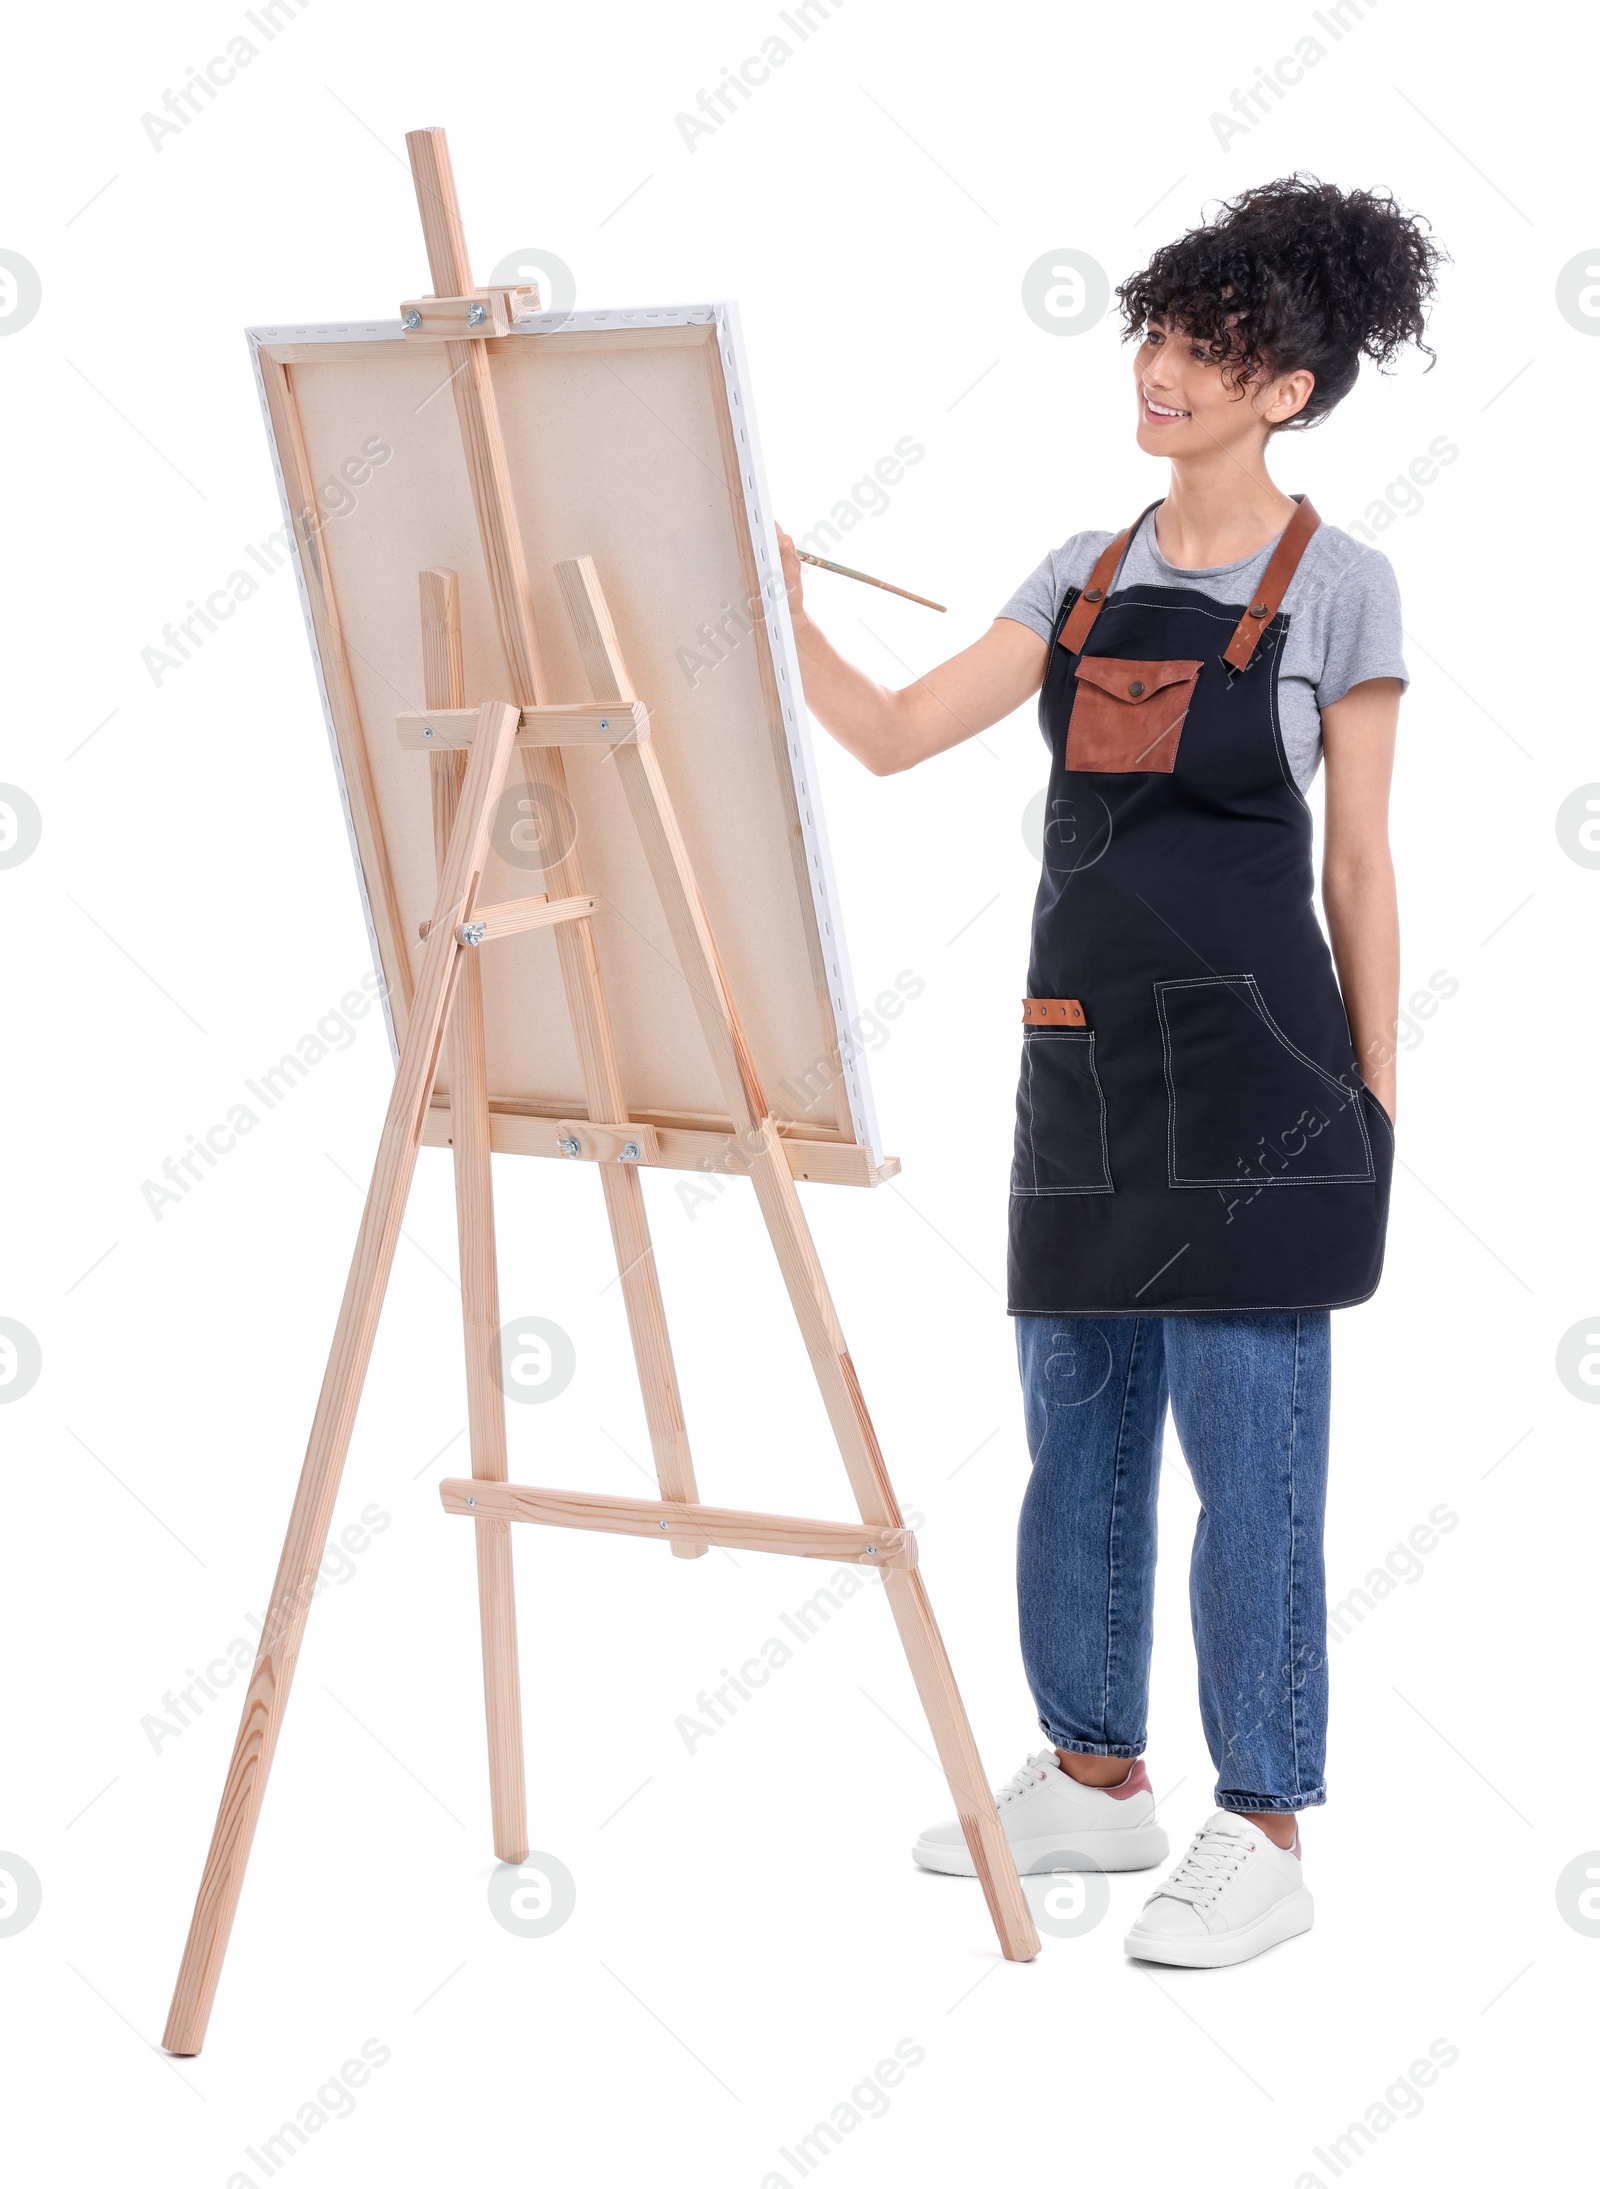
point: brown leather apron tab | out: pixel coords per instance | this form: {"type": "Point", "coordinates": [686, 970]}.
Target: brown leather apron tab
{"type": "Point", "coordinates": [1052, 1011]}
{"type": "Point", "coordinates": [1274, 584]}
{"type": "Point", "coordinates": [1087, 605]}
{"type": "Point", "coordinates": [1090, 601]}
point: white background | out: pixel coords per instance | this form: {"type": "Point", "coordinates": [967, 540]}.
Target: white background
{"type": "Point", "coordinates": [750, 1937]}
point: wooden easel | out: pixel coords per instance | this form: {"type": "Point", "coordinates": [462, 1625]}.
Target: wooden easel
{"type": "Point", "coordinates": [472, 753]}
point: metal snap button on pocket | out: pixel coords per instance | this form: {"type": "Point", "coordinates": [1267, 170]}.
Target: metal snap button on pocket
{"type": "Point", "coordinates": [1135, 688]}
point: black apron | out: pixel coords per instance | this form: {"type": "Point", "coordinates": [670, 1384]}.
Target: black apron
{"type": "Point", "coordinates": [1193, 1132]}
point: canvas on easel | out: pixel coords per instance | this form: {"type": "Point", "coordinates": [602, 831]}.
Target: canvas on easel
{"type": "Point", "coordinates": [555, 655]}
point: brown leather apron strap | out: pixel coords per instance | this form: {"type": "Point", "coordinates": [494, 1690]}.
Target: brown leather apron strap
{"type": "Point", "coordinates": [1089, 602]}
{"type": "Point", "coordinates": [1269, 595]}
{"type": "Point", "coordinates": [1274, 584]}
{"type": "Point", "coordinates": [1052, 1011]}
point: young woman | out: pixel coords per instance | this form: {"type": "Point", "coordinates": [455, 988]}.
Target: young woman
{"type": "Point", "coordinates": [1204, 1121]}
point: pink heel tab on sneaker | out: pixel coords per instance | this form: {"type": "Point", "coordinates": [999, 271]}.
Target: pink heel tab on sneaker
{"type": "Point", "coordinates": [1136, 1782]}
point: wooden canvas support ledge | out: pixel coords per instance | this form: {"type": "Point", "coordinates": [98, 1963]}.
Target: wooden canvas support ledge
{"type": "Point", "coordinates": [677, 1147]}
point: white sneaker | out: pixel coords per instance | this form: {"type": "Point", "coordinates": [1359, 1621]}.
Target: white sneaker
{"type": "Point", "coordinates": [1233, 1895]}
{"type": "Point", "coordinates": [1053, 1823]}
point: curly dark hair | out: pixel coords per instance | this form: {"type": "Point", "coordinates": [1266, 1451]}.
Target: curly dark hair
{"type": "Point", "coordinates": [1294, 273]}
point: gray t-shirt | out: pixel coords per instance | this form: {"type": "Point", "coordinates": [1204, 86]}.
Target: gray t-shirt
{"type": "Point", "coordinates": [1343, 606]}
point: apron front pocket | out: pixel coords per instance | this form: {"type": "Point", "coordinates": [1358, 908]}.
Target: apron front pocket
{"type": "Point", "coordinates": [1127, 716]}
{"type": "Point", "coordinates": [1061, 1116]}
{"type": "Point", "coordinates": [1245, 1107]}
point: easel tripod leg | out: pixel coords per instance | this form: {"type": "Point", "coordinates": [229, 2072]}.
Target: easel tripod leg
{"type": "Point", "coordinates": [621, 1184]}
{"type": "Point", "coordinates": [908, 1598]}
{"type": "Point", "coordinates": [963, 1766]}
{"type": "Point", "coordinates": [824, 1340]}
{"type": "Point", "coordinates": [803, 1277]}
{"type": "Point", "coordinates": [486, 1417]}
{"type": "Point", "coordinates": [311, 1515]}
{"type": "Point", "coordinates": [444, 686]}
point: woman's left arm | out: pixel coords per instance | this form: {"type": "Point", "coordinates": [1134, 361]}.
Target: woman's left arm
{"type": "Point", "coordinates": [1358, 894]}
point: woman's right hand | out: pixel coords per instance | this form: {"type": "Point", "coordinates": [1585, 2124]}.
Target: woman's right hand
{"type": "Point", "coordinates": [891, 730]}
{"type": "Point", "coordinates": [791, 574]}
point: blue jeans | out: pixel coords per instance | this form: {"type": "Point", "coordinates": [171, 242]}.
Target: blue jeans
{"type": "Point", "coordinates": [1249, 1396]}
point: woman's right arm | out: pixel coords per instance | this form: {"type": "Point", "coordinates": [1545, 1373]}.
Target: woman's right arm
{"type": "Point", "coordinates": [888, 731]}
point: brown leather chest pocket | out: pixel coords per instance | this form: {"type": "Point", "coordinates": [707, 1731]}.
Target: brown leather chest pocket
{"type": "Point", "coordinates": [1127, 716]}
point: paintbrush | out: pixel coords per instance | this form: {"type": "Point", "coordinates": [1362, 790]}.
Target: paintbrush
{"type": "Point", "coordinates": [843, 570]}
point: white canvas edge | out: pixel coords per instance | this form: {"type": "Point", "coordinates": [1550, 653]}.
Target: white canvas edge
{"type": "Point", "coordinates": [256, 336]}
{"type": "Point", "coordinates": [780, 635]}
{"type": "Point", "coordinates": [797, 730]}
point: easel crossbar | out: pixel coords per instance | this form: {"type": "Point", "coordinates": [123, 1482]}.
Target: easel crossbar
{"type": "Point", "coordinates": [515, 917]}
{"type": "Point", "coordinates": [833, 1540]}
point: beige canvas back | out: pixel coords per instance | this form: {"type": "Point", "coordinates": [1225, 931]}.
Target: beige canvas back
{"type": "Point", "coordinates": [629, 439]}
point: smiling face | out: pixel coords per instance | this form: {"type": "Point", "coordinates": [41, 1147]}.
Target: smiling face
{"type": "Point", "coordinates": [1187, 407]}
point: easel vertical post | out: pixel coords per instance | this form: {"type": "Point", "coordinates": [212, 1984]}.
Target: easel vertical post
{"type": "Point", "coordinates": [506, 565]}
{"type": "Point", "coordinates": [312, 1513]}
{"type": "Point", "coordinates": [444, 685]}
